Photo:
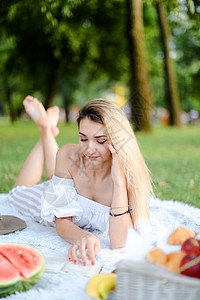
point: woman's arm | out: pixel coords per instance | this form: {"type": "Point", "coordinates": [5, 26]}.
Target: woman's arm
{"type": "Point", "coordinates": [80, 239]}
{"type": "Point", "coordinates": [118, 225]}
{"type": "Point", "coordinates": [70, 232]}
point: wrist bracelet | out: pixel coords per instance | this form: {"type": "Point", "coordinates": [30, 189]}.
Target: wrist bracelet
{"type": "Point", "coordinates": [117, 215]}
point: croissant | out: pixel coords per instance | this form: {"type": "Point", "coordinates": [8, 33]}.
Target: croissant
{"type": "Point", "coordinates": [157, 256]}
{"type": "Point", "coordinates": [180, 235]}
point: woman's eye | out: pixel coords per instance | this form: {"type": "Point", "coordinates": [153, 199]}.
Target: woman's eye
{"type": "Point", "coordinates": [83, 140]}
{"type": "Point", "coordinates": [101, 142]}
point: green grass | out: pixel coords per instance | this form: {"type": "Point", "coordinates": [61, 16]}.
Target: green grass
{"type": "Point", "coordinates": [172, 155]}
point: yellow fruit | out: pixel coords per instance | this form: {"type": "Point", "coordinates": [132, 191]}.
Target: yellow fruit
{"type": "Point", "coordinates": [106, 285]}
{"type": "Point", "coordinates": [92, 289]}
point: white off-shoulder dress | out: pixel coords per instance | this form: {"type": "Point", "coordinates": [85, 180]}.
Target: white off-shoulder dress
{"type": "Point", "coordinates": [58, 198]}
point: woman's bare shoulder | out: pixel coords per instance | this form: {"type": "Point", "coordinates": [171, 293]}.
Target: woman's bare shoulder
{"type": "Point", "coordinates": [68, 148]}
{"type": "Point", "coordinates": [67, 159]}
{"type": "Point", "coordinates": [68, 152]}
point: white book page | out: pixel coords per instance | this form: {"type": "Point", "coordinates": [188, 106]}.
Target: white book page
{"type": "Point", "coordinates": [55, 264]}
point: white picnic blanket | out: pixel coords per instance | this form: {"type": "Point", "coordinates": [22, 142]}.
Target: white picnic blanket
{"type": "Point", "coordinates": [163, 214]}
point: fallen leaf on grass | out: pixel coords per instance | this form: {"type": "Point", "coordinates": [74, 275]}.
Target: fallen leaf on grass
{"type": "Point", "coordinates": [191, 183]}
{"type": "Point", "coordinates": [162, 183]}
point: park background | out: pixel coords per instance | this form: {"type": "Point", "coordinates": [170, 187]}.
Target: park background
{"type": "Point", "coordinates": [142, 55]}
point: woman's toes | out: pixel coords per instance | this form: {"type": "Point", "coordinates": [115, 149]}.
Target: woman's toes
{"type": "Point", "coordinates": [53, 111]}
{"type": "Point", "coordinates": [36, 111]}
{"type": "Point", "coordinates": [28, 100]}
{"type": "Point", "coordinates": [53, 115]}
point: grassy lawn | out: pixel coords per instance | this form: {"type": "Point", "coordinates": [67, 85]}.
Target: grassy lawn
{"type": "Point", "coordinates": [172, 155]}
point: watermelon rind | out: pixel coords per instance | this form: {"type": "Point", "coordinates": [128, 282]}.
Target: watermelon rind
{"type": "Point", "coordinates": [4, 291]}
{"type": "Point", "coordinates": [19, 286]}
{"type": "Point", "coordinates": [21, 283]}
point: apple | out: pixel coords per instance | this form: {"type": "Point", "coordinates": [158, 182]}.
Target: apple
{"type": "Point", "coordinates": [191, 246]}
{"type": "Point", "coordinates": [193, 271]}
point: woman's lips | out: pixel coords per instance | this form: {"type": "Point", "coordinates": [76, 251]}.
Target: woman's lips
{"type": "Point", "coordinates": [93, 157]}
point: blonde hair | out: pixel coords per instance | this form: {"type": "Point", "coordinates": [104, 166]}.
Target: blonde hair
{"type": "Point", "coordinates": [122, 137]}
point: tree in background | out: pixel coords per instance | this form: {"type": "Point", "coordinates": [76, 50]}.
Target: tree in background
{"type": "Point", "coordinates": [71, 51]}
{"type": "Point", "coordinates": [141, 99]}
{"type": "Point", "coordinates": [171, 89]}
{"type": "Point", "coordinates": [186, 34]}
{"type": "Point", "coordinates": [67, 38]}
{"type": "Point", "coordinates": [27, 55]}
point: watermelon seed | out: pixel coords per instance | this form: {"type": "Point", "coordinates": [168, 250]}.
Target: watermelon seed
{"type": "Point", "coordinates": [22, 258]}
{"type": "Point", "coordinates": [19, 251]}
{"type": "Point", "coordinates": [28, 265]}
{"type": "Point", "coordinates": [34, 258]}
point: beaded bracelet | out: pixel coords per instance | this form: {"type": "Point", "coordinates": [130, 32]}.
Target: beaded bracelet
{"type": "Point", "coordinates": [117, 215]}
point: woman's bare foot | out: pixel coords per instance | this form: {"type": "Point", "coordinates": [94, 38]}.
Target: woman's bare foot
{"type": "Point", "coordinates": [53, 116]}
{"type": "Point", "coordinates": [36, 111]}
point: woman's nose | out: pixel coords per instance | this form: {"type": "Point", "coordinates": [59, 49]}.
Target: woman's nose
{"type": "Point", "coordinates": [91, 148]}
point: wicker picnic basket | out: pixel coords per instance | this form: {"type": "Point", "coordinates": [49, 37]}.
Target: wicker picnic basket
{"type": "Point", "coordinates": [146, 281]}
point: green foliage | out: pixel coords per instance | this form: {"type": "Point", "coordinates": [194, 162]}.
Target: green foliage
{"type": "Point", "coordinates": [175, 6]}
{"type": "Point", "coordinates": [46, 33]}
{"type": "Point", "coordinates": [84, 43]}
{"type": "Point", "coordinates": [155, 55]}
{"type": "Point", "coordinates": [186, 36]}
{"type": "Point", "coordinates": [184, 23]}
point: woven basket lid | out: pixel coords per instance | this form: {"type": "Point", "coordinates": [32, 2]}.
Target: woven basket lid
{"type": "Point", "coordinates": [10, 224]}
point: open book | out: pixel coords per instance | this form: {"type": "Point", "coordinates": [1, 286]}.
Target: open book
{"type": "Point", "coordinates": [55, 264]}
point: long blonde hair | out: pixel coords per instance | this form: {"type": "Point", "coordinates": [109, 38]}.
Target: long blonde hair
{"type": "Point", "coordinates": [122, 137]}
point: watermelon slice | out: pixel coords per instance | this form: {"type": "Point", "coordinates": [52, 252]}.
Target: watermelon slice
{"type": "Point", "coordinates": [20, 267]}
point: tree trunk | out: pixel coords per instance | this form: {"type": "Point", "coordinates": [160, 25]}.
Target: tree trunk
{"type": "Point", "coordinates": [53, 81]}
{"type": "Point", "coordinates": [66, 102]}
{"type": "Point", "coordinates": [171, 92]}
{"type": "Point", "coordinates": [141, 99]}
{"type": "Point", "coordinates": [9, 101]}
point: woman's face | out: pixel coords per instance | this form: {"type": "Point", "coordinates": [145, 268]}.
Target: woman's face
{"type": "Point", "coordinates": [93, 141]}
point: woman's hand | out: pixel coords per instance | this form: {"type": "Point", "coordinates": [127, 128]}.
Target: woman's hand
{"type": "Point", "coordinates": [117, 169]}
{"type": "Point", "coordinates": [88, 242]}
